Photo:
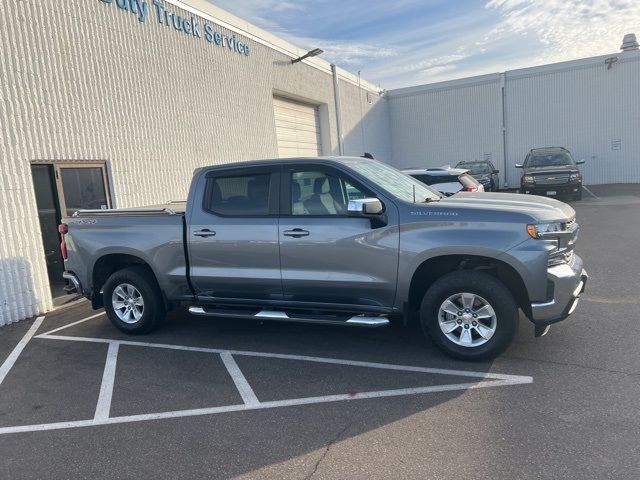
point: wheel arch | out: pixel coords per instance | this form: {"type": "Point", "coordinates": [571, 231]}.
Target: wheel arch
{"type": "Point", "coordinates": [109, 263]}
{"type": "Point", "coordinates": [433, 268]}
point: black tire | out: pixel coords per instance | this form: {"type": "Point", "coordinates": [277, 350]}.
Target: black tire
{"type": "Point", "coordinates": [578, 196]}
{"type": "Point", "coordinates": [485, 286]}
{"type": "Point", "coordinates": [153, 312]}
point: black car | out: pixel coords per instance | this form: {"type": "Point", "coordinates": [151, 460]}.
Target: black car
{"type": "Point", "coordinates": [446, 180]}
{"type": "Point", "coordinates": [551, 172]}
{"type": "Point", "coordinates": [484, 171]}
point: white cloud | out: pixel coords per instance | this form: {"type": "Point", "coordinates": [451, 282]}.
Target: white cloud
{"type": "Point", "coordinates": [430, 64]}
{"type": "Point", "coordinates": [400, 43]}
{"type": "Point", "coordinates": [566, 29]}
{"type": "Point", "coordinates": [349, 54]}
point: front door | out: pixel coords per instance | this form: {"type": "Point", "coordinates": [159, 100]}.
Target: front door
{"type": "Point", "coordinates": [233, 236]}
{"type": "Point", "coordinates": [327, 256]}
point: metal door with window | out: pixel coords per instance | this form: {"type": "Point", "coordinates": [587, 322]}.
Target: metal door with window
{"type": "Point", "coordinates": [61, 189]}
{"type": "Point", "coordinates": [233, 236]}
{"type": "Point", "coordinates": [327, 256]}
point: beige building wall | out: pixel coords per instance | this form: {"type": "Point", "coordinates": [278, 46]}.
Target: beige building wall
{"type": "Point", "coordinates": [87, 81]}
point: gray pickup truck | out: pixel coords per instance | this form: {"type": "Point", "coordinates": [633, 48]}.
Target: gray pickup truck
{"type": "Point", "coordinates": [347, 241]}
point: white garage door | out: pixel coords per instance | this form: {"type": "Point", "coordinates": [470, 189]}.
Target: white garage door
{"type": "Point", "coordinates": [297, 128]}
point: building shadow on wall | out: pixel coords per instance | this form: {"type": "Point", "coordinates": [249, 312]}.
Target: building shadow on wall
{"type": "Point", "coordinates": [19, 298]}
{"type": "Point", "coordinates": [370, 132]}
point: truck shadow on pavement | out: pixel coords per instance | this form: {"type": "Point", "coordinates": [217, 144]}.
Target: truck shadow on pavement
{"type": "Point", "coordinates": [58, 380]}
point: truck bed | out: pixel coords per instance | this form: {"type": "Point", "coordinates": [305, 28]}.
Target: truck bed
{"type": "Point", "coordinates": [153, 234]}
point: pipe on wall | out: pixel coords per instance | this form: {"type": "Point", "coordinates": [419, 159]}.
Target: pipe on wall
{"type": "Point", "coordinates": [336, 97]}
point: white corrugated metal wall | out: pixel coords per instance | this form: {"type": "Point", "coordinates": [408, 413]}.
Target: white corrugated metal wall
{"type": "Point", "coordinates": [585, 108]}
{"type": "Point", "coordinates": [581, 105]}
{"type": "Point", "coordinates": [434, 125]}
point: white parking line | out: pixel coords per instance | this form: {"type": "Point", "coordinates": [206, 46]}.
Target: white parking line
{"type": "Point", "coordinates": [72, 324]}
{"type": "Point", "coordinates": [591, 193]}
{"type": "Point", "coordinates": [260, 406]}
{"type": "Point", "coordinates": [246, 392]}
{"type": "Point", "coordinates": [15, 353]}
{"type": "Point", "coordinates": [304, 358]}
{"type": "Point", "coordinates": [106, 388]}
{"type": "Point", "coordinates": [249, 398]}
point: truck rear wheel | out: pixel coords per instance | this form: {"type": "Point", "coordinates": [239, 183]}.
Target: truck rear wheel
{"type": "Point", "coordinates": [470, 315]}
{"type": "Point", "coordinates": [133, 301]}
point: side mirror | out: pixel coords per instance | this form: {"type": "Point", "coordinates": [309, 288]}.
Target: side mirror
{"type": "Point", "coordinates": [519, 165]}
{"type": "Point", "coordinates": [580, 162]}
{"type": "Point", "coordinates": [496, 171]}
{"type": "Point", "coordinates": [365, 207]}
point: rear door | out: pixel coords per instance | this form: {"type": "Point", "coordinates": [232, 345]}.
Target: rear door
{"type": "Point", "coordinates": [328, 257]}
{"type": "Point", "coordinates": [233, 235]}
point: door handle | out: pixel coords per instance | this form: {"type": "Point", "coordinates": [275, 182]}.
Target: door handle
{"type": "Point", "coordinates": [296, 233]}
{"type": "Point", "coordinates": [204, 233]}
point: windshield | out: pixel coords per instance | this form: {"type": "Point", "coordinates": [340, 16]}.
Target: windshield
{"type": "Point", "coordinates": [548, 160]}
{"type": "Point", "coordinates": [475, 168]}
{"type": "Point", "coordinates": [395, 182]}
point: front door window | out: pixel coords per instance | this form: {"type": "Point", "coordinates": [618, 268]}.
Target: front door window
{"type": "Point", "coordinates": [320, 193]}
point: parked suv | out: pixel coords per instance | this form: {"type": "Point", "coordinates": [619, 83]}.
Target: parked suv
{"type": "Point", "coordinates": [484, 172]}
{"type": "Point", "coordinates": [551, 172]}
{"type": "Point", "coordinates": [447, 180]}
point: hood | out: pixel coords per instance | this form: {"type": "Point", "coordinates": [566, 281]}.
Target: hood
{"type": "Point", "coordinates": [540, 209]}
{"type": "Point", "coordinates": [551, 169]}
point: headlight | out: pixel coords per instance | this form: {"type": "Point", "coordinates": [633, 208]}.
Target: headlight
{"type": "Point", "coordinates": [537, 231]}
{"type": "Point", "coordinates": [575, 177]}
{"type": "Point", "coordinates": [527, 179]}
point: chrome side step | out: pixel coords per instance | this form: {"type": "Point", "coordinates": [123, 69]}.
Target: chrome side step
{"type": "Point", "coordinates": [265, 314]}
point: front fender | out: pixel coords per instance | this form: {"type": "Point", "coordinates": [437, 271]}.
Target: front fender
{"type": "Point", "coordinates": [424, 241]}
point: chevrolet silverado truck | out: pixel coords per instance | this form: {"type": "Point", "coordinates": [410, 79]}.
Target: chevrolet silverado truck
{"type": "Point", "coordinates": [336, 240]}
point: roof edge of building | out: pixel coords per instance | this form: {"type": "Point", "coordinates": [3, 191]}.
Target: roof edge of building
{"type": "Point", "coordinates": [515, 73]}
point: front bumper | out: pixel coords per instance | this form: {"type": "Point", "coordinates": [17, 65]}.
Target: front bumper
{"type": "Point", "coordinates": [552, 190]}
{"type": "Point", "coordinates": [569, 281]}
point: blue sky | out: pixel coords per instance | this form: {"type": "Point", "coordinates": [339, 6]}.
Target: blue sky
{"type": "Point", "coordinates": [410, 42]}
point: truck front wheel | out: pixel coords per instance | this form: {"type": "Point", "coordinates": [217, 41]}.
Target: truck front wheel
{"type": "Point", "coordinates": [470, 315]}
{"type": "Point", "coordinates": [133, 301]}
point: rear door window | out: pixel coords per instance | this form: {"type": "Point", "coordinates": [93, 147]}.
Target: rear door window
{"type": "Point", "coordinates": [242, 195]}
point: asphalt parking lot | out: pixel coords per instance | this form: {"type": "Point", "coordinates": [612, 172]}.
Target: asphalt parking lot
{"type": "Point", "coordinates": [207, 398]}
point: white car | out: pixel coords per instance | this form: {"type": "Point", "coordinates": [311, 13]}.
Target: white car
{"type": "Point", "coordinates": [446, 180]}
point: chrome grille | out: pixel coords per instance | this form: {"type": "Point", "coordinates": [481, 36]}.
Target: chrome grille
{"type": "Point", "coordinates": [552, 179]}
